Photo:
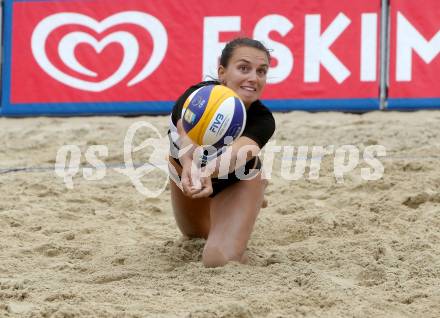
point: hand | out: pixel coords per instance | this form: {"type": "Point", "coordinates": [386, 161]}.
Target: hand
{"type": "Point", "coordinates": [205, 189]}
{"type": "Point", "coordinates": [195, 185]}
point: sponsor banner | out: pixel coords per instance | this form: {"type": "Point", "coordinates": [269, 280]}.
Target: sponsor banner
{"type": "Point", "coordinates": [134, 56]}
{"type": "Point", "coordinates": [415, 54]}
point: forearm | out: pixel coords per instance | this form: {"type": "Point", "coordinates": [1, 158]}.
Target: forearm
{"type": "Point", "coordinates": [186, 146]}
{"type": "Point", "coordinates": [235, 156]}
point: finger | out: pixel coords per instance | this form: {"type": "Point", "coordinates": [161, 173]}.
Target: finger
{"type": "Point", "coordinates": [196, 184]}
{"type": "Point", "coordinates": [186, 186]}
{"type": "Point", "coordinates": [191, 189]}
{"type": "Point", "coordinates": [206, 182]}
{"type": "Point", "coordinates": [196, 189]}
{"type": "Point", "coordinates": [195, 178]}
{"type": "Point", "coordinates": [206, 192]}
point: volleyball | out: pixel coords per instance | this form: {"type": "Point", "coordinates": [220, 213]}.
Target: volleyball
{"type": "Point", "coordinates": [213, 113]}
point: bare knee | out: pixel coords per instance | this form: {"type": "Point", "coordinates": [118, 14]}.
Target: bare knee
{"type": "Point", "coordinates": [213, 257]}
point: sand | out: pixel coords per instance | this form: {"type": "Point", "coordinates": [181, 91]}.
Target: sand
{"type": "Point", "coordinates": [320, 249]}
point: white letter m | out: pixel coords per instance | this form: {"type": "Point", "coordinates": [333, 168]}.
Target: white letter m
{"type": "Point", "coordinates": [408, 39]}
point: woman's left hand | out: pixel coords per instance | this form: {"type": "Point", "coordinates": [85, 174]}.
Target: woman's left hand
{"type": "Point", "coordinates": [205, 189]}
{"type": "Point", "coordinates": [201, 183]}
{"type": "Point", "coordinates": [194, 183]}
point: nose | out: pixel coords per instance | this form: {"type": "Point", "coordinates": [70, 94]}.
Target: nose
{"type": "Point", "coordinates": [252, 76]}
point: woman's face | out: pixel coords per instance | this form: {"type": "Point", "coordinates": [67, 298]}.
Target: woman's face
{"type": "Point", "coordinates": [246, 73]}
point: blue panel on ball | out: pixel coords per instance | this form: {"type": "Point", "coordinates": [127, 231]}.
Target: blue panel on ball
{"type": "Point", "coordinates": [196, 107]}
{"type": "Point", "coordinates": [237, 121]}
{"type": "Point", "coordinates": [236, 124]}
{"type": "Point", "coordinates": [239, 117]}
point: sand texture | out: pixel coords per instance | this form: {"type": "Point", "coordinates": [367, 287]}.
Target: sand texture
{"type": "Point", "coordinates": [320, 249]}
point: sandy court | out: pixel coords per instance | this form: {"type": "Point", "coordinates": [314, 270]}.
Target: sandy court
{"type": "Point", "coordinates": [321, 249]}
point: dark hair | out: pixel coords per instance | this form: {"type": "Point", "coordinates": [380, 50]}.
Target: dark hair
{"type": "Point", "coordinates": [228, 50]}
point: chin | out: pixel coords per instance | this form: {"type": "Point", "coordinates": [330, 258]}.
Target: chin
{"type": "Point", "coordinates": [248, 102]}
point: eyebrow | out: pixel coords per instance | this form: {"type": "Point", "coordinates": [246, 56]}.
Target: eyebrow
{"type": "Point", "coordinates": [246, 61]}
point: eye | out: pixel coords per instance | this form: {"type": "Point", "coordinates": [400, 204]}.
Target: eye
{"type": "Point", "coordinates": [243, 68]}
{"type": "Point", "coordinates": [262, 71]}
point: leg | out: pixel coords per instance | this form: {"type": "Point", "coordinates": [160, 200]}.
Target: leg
{"type": "Point", "coordinates": [192, 215]}
{"type": "Point", "coordinates": [233, 214]}
{"type": "Point", "coordinates": [264, 202]}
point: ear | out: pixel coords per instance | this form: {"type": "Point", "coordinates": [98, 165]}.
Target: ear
{"type": "Point", "coordinates": [221, 74]}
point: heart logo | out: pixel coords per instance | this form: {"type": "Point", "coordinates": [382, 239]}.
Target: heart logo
{"type": "Point", "coordinates": [129, 43]}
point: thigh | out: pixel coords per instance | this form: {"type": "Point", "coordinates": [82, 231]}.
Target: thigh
{"type": "Point", "coordinates": [191, 215]}
{"type": "Point", "coordinates": [233, 214]}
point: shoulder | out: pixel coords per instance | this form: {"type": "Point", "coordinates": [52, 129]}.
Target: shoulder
{"type": "Point", "coordinates": [260, 123]}
{"type": "Point", "coordinates": [260, 111]}
{"type": "Point", "coordinates": [258, 107]}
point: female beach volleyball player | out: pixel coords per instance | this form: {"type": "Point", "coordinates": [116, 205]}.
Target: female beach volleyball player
{"type": "Point", "coordinates": [223, 210]}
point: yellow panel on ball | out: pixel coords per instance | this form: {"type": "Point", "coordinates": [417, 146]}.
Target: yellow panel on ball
{"type": "Point", "coordinates": [212, 113]}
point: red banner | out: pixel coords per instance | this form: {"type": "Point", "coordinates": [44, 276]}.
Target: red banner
{"type": "Point", "coordinates": [134, 51]}
{"type": "Point", "coordinates": [415, 49]}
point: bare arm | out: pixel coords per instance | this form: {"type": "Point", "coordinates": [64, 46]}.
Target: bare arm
{"type": "Point", "coordinates": [235, 156]}
{"type": "Point", "coordinates": [194, 183]}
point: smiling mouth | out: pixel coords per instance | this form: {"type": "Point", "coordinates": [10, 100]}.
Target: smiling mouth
{"type": "Point", "coordinates": [248, 88]}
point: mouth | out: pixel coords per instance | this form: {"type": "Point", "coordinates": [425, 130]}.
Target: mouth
{"type": "Point", "coordinates": [248, 88]}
